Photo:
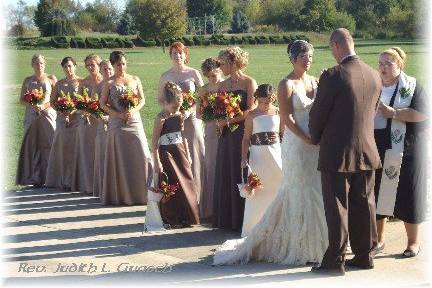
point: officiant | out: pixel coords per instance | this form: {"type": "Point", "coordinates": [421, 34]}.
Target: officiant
{"type": "Point", "coordinates": [400, 134]}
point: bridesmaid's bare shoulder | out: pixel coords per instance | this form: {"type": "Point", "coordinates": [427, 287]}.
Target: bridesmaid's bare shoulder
{"type": "Point", "coordinates": [27, 79]}
{"type": "Point", "coordinates": [160, 117]}
{"type": "Point", "coordinates": [253, 113]}
{"type": "Point", "coordinates": [52, 78]}
{"type": "Point", "coordinates": [166, 74]}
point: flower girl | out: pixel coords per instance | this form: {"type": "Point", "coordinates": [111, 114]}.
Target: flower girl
{"type": "Point", "coordinates": [179, 203]}
{"type": "Point", "coordinates": [261, 139]}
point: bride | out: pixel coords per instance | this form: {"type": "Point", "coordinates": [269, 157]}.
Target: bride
{"type": "Point", "coordinates": [293, 230]}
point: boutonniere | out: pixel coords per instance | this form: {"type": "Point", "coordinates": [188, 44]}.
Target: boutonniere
{"type": "Point", "coordinates": [405, 92]}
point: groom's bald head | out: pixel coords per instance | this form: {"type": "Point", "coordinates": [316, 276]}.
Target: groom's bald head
{"type": "Point", "coordinates": [341, 44]}
{"type": "Point", "coordinates": [343, 38]}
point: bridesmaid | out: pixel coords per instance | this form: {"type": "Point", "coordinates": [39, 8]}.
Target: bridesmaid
{"type": "Point", "coordinates": [39, 126]}
{"type": "Point", "coordinates": [261, 139]}
{"type": "Point", "coordinates": [228, 207]}
{"type": "Point", "coordinates": [210, 69]}
{"type": "Point", "coordinates": [188, 79]}
{"type": "Point", "coordinates": [172, 158]}
{"type": "Point", "coordinates": [62, 154]}
{"type": "Point", "coordinates": [128, 161]}
{"type": "Point", "coordinates": [107, 72]}
{"type": "Point", "coordinates": [82, 179]}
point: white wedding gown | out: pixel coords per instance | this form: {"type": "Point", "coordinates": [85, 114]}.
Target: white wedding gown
{"type": "Point", "coordinates": [293, 230]}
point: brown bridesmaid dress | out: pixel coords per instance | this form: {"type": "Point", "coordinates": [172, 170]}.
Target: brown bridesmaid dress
{"type": "Point", "coordinates": [62, 154]}
{"type": "Point", "coordinates": [83, 165]}
{"type": "Point", "coordinates": [181, 208]}
{"type": "Point", "coordinates": [228, 206]}
{"type": "Point", "coordinates": [38, 136]}
{"type": "Point", "coordinates": [128, 161]}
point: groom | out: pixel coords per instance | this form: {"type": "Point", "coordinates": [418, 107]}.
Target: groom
{"type": "Point", "coordinates": [342, 123]}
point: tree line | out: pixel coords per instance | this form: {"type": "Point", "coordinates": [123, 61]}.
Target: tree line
{"type": "Point", "coordinates": [168, 18]}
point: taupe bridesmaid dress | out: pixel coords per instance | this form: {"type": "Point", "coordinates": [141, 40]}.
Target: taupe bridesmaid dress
{"type": "Point", "coordinates": [128, 162]}
{"type": "Point", "coordinates": [62, 154]}
{"type": "Point", "coordinates": [38, 136]}
{"type": "Point", "coordinates": [99, 152]}
{"type": "Point", "coordinates": [194, 133]}
{"type": "Point", "coordinates": [83, 165]}
{"type": "Point", "coordinates": [211, 145]}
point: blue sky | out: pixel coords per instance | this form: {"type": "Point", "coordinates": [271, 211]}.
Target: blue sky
{"type": "Point", "coordinates": [120, 3]}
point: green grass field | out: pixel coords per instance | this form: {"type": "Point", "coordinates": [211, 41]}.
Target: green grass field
{"type": "Point", "coordinates": [267, 64]}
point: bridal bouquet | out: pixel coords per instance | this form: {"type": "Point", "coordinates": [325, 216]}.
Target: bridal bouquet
{"type": "Point", "coordinates": [65, 104]}
{"type": "Point", "coordinates": [189, 99]}
{"type": "Point", "coordinates": [82, 103]}
{"type": "Point", "coordinates": [221, 105]}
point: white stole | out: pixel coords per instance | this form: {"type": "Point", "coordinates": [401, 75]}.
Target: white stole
{"type": "Point", "coordinates": [393, 156]}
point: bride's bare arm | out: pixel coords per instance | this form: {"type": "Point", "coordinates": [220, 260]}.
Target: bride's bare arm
{"type": "Point", "coordinates": [285, 92]}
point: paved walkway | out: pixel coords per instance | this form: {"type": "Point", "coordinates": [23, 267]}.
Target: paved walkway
{"type": "Point", "coordinates": [92, 244]}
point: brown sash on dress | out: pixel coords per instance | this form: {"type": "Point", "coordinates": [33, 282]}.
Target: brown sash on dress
{"type": "Point", "coordinates": [265, 138]}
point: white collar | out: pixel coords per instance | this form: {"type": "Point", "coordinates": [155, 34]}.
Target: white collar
{"type": "Point", "coordinates": [347, 57]}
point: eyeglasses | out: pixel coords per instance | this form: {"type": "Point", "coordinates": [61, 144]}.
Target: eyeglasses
{"type": "Point", "coordinates": [386, 64]}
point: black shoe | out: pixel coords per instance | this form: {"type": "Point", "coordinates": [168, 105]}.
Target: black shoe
{"type": "Point", "coordinates": [329, 271]}
{"type": "Point", "coordinates": [357, 264]}
{"type": "Point", "coordinates": [409, 253]}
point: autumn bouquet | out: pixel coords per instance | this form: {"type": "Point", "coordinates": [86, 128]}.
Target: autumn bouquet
{"type": "Point", "coordinates": [221, 105]}
{"type": "Point", "coordinates": [189, 99]}
{"type": "Point", "coordinates": [34, 97]}
{"type": "Point", "coordinates": [65, 104]}
{"type": "Point", "coordinates": [82, 103]}
{"type": "Point", "coordinates": [129, 99]}
{"type": "Point", "coordinates": [94, 108]}
{"type": "Point", "coordinates": [253, 183]}
{"type": "Point", "coordinates": [167, 190]}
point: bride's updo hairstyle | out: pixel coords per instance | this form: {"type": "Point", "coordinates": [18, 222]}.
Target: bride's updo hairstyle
{"type": "Point", "coordinates": [264, 91]}
{"type": "Point", "coordinates": [295, 48]}
{"type": "Point", "coordinates": [397, 55]}
{"type": "Point", "coordinates": [236, 56]}
{"type": "Point", "coordinates": [172, 93]}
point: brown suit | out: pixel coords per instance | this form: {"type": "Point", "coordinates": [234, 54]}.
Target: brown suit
{"type": "Point", "coordinates": [342, 122]}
